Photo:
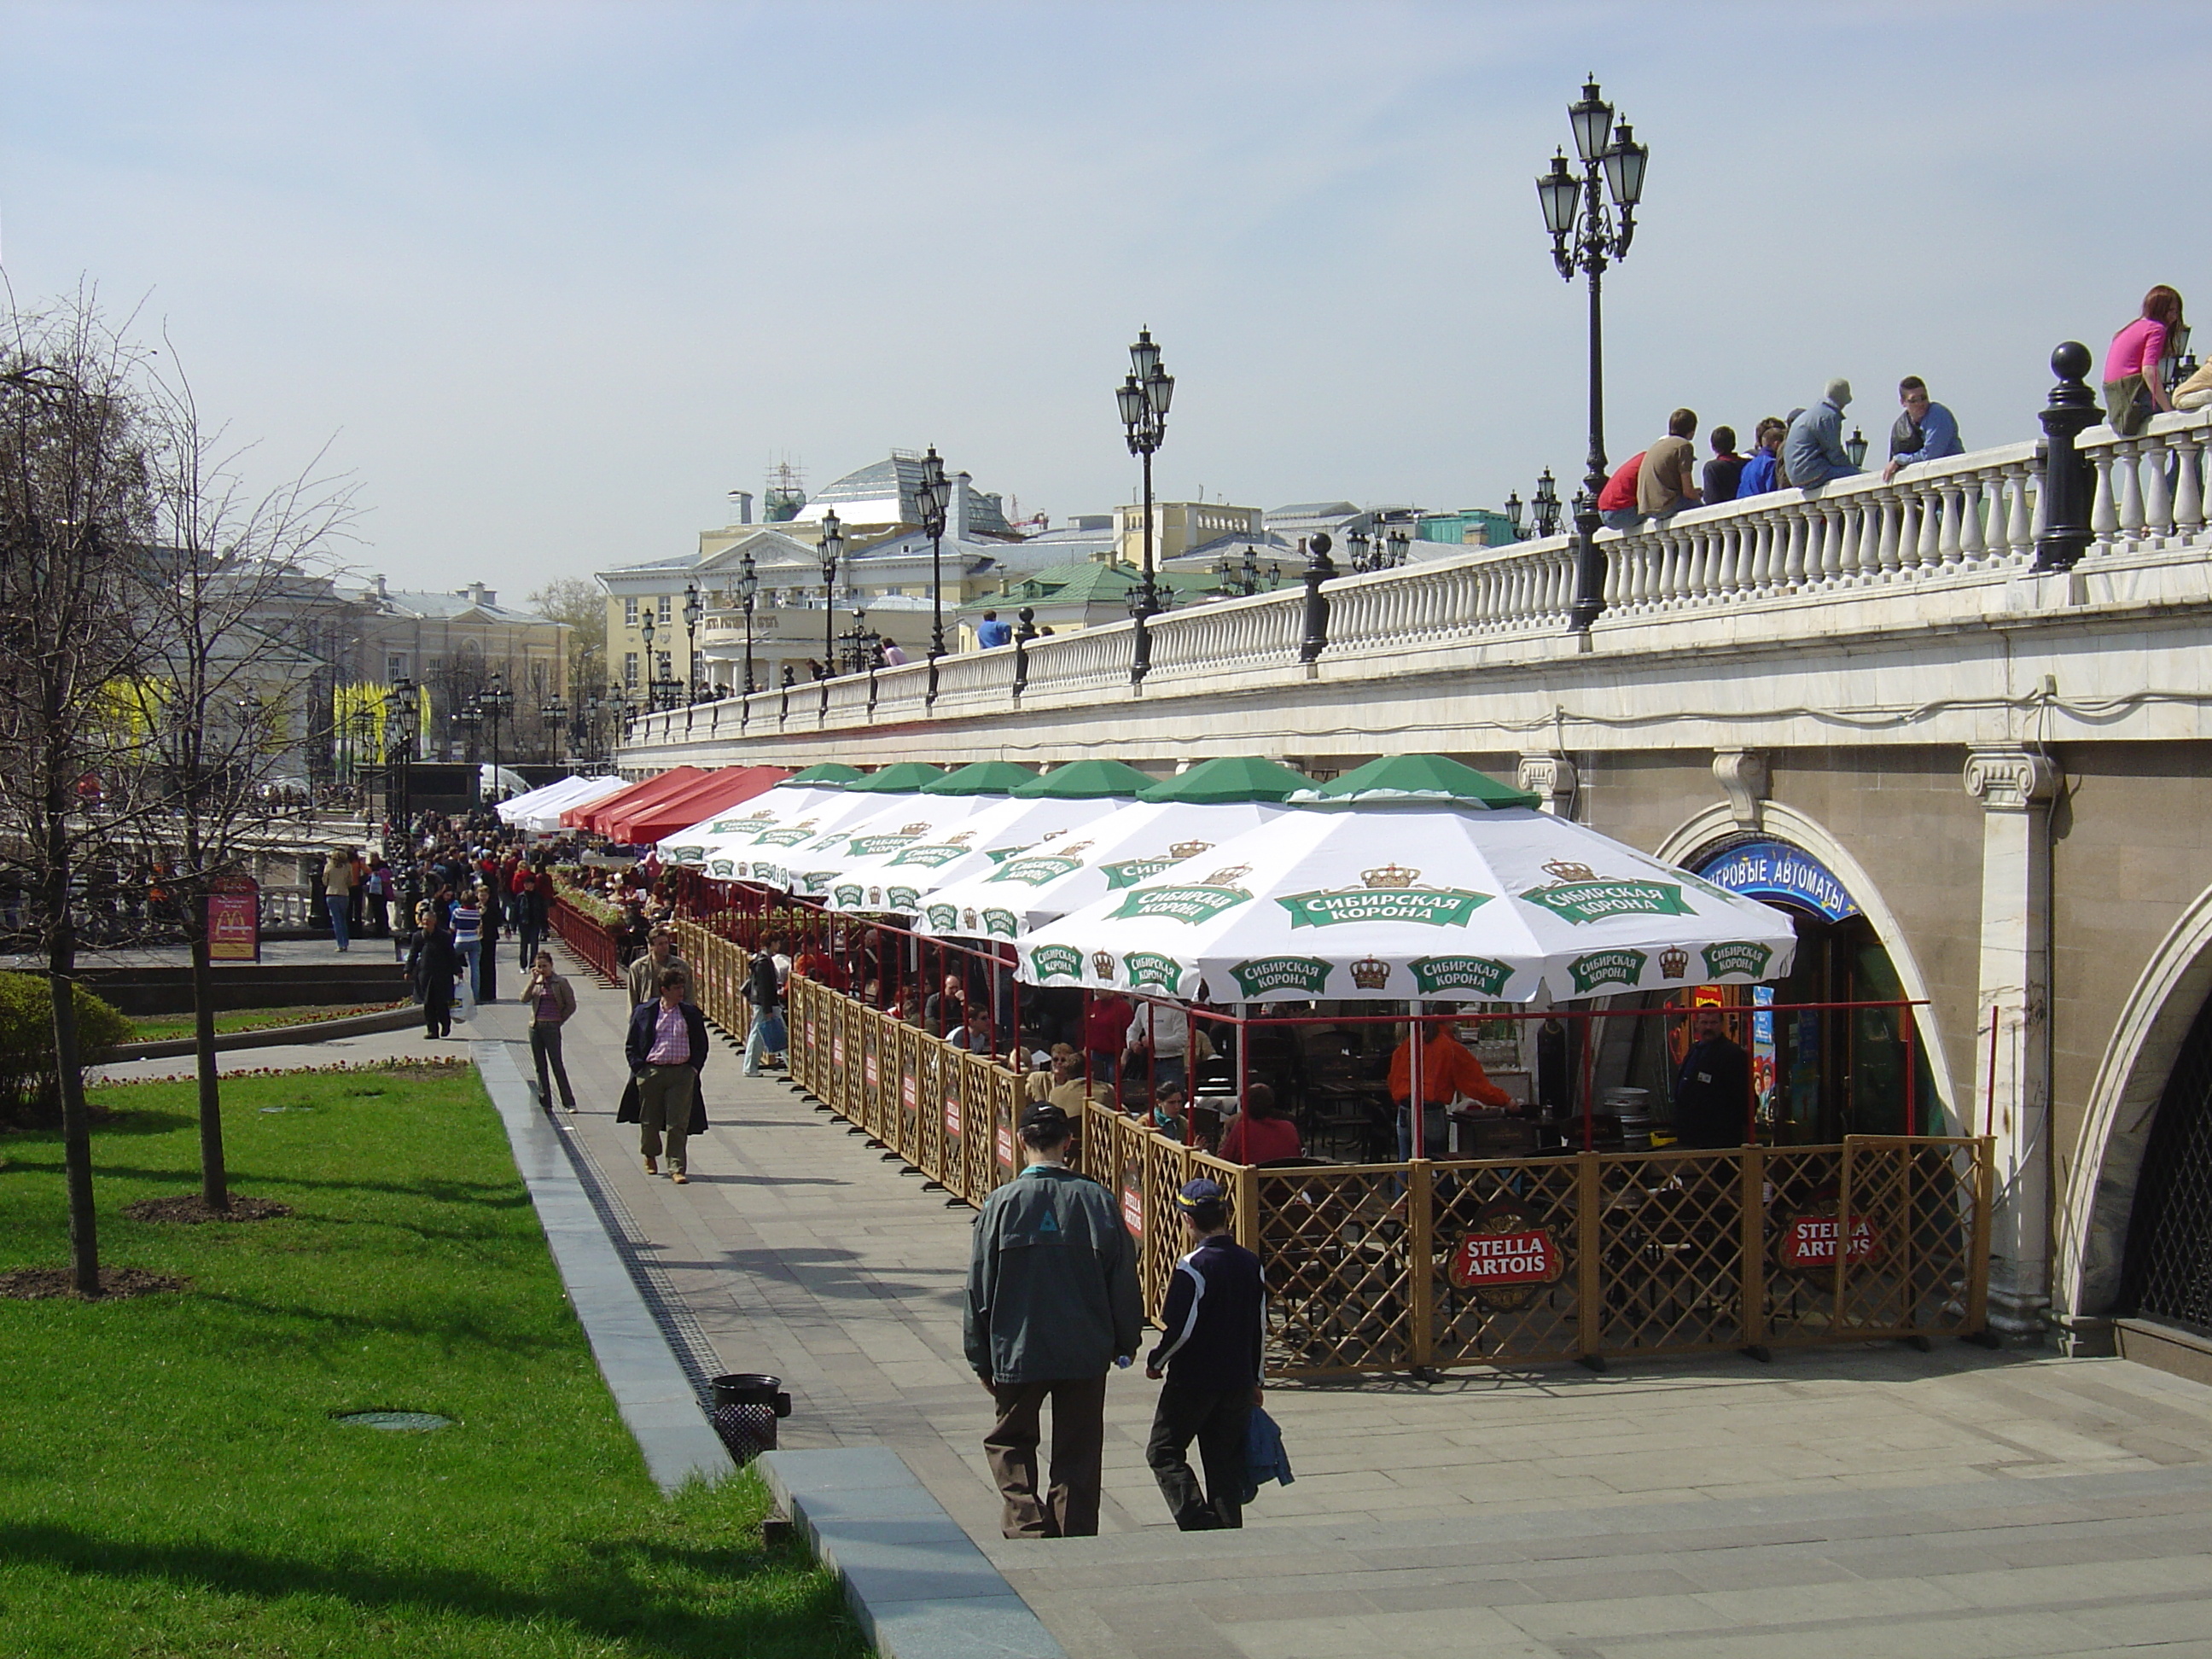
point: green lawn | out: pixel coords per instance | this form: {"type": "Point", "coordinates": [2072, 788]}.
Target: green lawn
{"type": "Point", "coordinates": [172, 1482]}
{"type": "Point", "coordinates": [160, 1028]}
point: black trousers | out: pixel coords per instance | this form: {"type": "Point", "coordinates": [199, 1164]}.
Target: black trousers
{"type": "Point", "coordinates": [545, 1050]}
{"type": "Point", "coordinates": [1218, 1419]}
{"type": "Point", "coordinates": [438, 1012]}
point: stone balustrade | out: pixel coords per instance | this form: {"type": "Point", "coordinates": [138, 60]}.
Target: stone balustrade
{"type": "Point", "coordinates": [1971, 520]}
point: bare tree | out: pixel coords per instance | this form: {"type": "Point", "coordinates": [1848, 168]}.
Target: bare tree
{"type": "Point", "coordinates": [74, 510]}
{"type": "Point", "coordinates": [217, 679]}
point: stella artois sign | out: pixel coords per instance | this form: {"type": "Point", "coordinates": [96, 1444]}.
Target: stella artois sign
{"type": "Point", "coordinates": [1808, 1243]}
{"type": "Point", "coordinates": [1580, 895]}
{"type": "Point", "coordinates": [952, 1110]}
{"type": "Point", "coordinates": [1261, 974]}
{"type": "Point", "coordinates": [1506, 1258]}
{"type": "Point", "coordinates": [1390, 892]}
{"type": "Point", "coordinates": [910, 1093]}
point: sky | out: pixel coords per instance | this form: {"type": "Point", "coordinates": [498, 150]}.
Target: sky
{"type": "Point", "coordinates": [547, 281]}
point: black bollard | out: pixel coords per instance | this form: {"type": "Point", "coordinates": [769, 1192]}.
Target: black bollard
{"type": "Point", "coordinates": [1023, 635]}
{"type": "Point", "coordinates": [1318, 571]}
{"type": "Point", "coordinates": [2068, 479]}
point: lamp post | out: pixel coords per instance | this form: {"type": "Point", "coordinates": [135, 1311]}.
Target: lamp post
{"type": "Point", "coordinates": [933, 495]}
{"type": "Point", "coordinates": [748, 593]}
{"type": "Point", "coordinates": [1855, 448]}
{"type": "Point", "coordinates": [1143, 398]}
{"type": "Point", "coordinates": [692, 611]}
{"type": "Point", "coordinates": [1544, 505]}
{"type": "Point", "coordinates": [552, 713]}
{"type": "Point", "coordinates": [469, 720]}
{"type": "Point", "coordinates": [833, 548]}
{"type": "Point", "coordinates": [1513, 512]}
{"type": "Point", "coordinates": [399, 728]}
{"type": "Point", "coordinates": [645, 631]}
{"type": "Point", "coordinates": [1584, 240]}
{"type": "Point", "coordinates": [496, 703]}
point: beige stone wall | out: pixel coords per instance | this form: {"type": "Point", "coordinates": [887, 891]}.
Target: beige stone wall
{"type": "Point", "coordinates": [2131, 847]}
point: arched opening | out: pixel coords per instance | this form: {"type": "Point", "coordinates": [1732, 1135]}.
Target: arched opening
{"type": "Point", "coordinates": [1818, 1074]}
{"type": "Point", "coordinates": [2168, 1266]}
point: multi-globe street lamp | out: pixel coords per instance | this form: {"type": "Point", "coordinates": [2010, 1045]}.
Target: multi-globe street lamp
{"type": "Point", "coordinates": [645, 631]}
{"type": "Point", "coordinates": [497, 702]}
{"type": "Point", "coordinates": [1585, 238]}
{"type": "Point", "coordinates": [1544, 505]}
{"type": "Point", "coordinates": [400, 723]}
{"type": "Point", "coordinates": [832, 550]}
{"type": "Point", "coordinates": [932, 496]}
{"type": "Point", "coordinates": [1144, 397]}
{"type": "Point", "coordinates": [693, 610]}
{"type": "Point", "coordinates": [553, 714]}
{"type": "Point", "coordinates": [748, 596]}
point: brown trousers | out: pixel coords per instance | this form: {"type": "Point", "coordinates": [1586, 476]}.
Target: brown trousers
{"type": "Point", "coordinates": [1069, 1508]}
{"type": "Point", "coordinates": [664, 1106]}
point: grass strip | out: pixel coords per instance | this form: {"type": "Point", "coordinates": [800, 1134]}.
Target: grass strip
{"type": "Point", "coordinates": [162, 1028]}
{"type": "Point", "coordinates": [172, 1480]}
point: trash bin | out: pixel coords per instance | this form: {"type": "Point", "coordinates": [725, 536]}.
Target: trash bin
{"type": "Point", "coordinates": [746, 1404]}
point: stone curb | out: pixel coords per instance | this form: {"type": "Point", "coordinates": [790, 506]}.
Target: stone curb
{"type": "Point", "coordinates": [917, 1583]}
{"type": "Point", "coordinates": [272, 1036]}
{"type": "Point", "coordinates": [650, 1389]}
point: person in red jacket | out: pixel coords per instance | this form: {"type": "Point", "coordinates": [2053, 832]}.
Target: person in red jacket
{"type": "Point", "coordinates": [1106, 1033]}
{"type": "Point", "coordinates": [1449, 1070]}
{"type": "Point", "coordinates": [1258, 1135]}
{"type": "Point", "coordinates": [1616, 503]}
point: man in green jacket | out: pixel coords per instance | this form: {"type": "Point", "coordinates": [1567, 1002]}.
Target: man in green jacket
{"type": "Point", "coordinates": [1052, 1302]}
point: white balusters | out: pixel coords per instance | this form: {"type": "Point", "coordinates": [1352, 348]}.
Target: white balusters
{"type": "Point", "coordinates": [2127, 462]}
{"type": "Point", "coordinates": [2104, 516]}
{"type": "Point", "coordinates": [2189, 496]}
{"type": "Point", "coordinates": [1980, 507]}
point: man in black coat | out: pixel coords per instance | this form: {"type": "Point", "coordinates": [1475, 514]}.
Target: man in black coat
{"type": "Point", "coordinates": [667, 1050]}
{"type": "Point", "coordinates": [1712, 1089]}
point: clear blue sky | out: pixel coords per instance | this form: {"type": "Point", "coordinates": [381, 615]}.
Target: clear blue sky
{"type": "Point", "coordinates": [552, 279]}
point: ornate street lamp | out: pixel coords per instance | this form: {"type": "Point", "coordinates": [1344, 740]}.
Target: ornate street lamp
{"type": "Point", "coordinates": [692, 611]}
{"type": "Point", "coordinates": [552, 713]}
{"type": "Point", "coordinates": [934, 496]}
{"type": "Point", "coordinates": [748, 593]}
{"type": "Point", "coordinates": [645, 631]}
{"type": "Point", "coordinates": [469, 720]}
{"type": "Point", "coordinates": [1513, 512]}
{"type": "Point", "coordinates": [833, 548]}
{"type": "Point", "coordinates": [1544, 505]}
{"type": "Point", "coordinates": [1855, 448]}
{"type": "Point", "coordinates": [495, 703]}
{"type": "Point", "coordinates": [1144, 397]}
{"type": "Point", "coordinates": [400, 725]}
{"type": "Point", "coordinates": [1585, 238]}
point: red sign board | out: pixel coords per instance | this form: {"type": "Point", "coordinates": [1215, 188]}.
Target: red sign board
{"type": "Point", "coordinates": [951, 1113]}
{"type": "Point", "coordinates": [1133, 1211]}
{"type": "Point", "coordinates": [909, 1093]}
{"type": "Point", "coordinates": [1809, 1240]}
{"type": "Point", "coordinates": [1485, 1261]}
{"type": "Point", "coordinates": [1002, 1143]}
{"type": "Point", "coordinates": [233, 920]}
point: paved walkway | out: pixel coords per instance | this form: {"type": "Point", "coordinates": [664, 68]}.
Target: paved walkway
{"type": "Point", "coordinates": [1869, 1500]}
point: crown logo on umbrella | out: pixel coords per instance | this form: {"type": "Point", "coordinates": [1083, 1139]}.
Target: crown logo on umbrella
{"type": "Point", "coordinates": [1569, 870]}
{"type": "Point", "coordinates": [967, 916]}
{"type": "Point", "coordinates": [960, 836]}
{"type": "Point", "coordinates": [1227, 878]}
{"type": "Point", "coordinates": [1102, 963]}
{"type": "Point", "coordinates": [1188, 849]}
{"type": "Point", "coordinates": [1368, 973]}
{"type": "Point", "coordinates": [1674, 962]}
{"type": "Point", "coordinates": [912, 829]}
{"type": "Point", "coordinates": [1073, 849]}
{"type": "Point", "coordinates": [1390, 875]}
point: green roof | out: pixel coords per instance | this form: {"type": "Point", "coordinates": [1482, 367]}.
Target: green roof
{"type": "Point", "coordinates": [904, 778]}
{"type": "Point", "coordinates": [1230, 778]}
{"type": "Point", "coordinates": [1085, 780]}
{"type": "Point", "coordinates": [1419, 777]}
{"type": "Point", "coordinates": [826, 774]}
{"type": "Point", "coordinates": [982, 778]}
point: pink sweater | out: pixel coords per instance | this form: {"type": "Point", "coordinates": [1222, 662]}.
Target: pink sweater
{"type": "Point", "coordinates": [2136, 349]}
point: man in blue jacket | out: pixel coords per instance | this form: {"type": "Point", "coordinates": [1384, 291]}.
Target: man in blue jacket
{"type": "Point", "coordinates": [1052, 1302]}
{"type": "Point", "coordinates": [1211, 1356]}
{"type": "Point", "coordinates": [667, 1049]}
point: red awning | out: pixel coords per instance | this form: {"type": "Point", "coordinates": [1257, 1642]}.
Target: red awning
{"type": "Point", "coordinates": [593, 815]}
{"type": "Point", "coordinates": [716, 794]}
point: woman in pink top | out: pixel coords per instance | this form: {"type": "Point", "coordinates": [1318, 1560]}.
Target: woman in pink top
{"type": "Point", "coordinates": [2133, 388]}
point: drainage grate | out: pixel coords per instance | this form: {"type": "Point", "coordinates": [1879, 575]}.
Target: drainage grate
{"type": "Point", "coordinates": [395, 1422]}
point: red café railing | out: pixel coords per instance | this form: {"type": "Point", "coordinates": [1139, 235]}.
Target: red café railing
{"type": "Point", "coordinates": [589, 938]}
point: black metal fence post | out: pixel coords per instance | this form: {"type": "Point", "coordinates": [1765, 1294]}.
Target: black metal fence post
{"type": "Point", "coordinates": [1318, 571]}
{"type": "Point", "coordinates": [1023, 635]}
{"type": "Point", "coordinates": [2068, 478]}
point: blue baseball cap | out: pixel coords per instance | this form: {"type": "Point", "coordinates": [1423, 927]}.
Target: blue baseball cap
{"type": "Point", "coordinates": [1197, 1192]}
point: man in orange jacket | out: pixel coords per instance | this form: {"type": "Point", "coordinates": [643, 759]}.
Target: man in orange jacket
{"type": "Point", "coordinates": [1447, 1070]}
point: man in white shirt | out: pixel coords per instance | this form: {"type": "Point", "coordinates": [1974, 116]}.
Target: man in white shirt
{"type": "Point", "coordinates": [1162, 1031]}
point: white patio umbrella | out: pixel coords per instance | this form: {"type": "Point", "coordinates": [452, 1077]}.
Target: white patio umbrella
{"type": "Point", "coordinates": [545, 817]}
{"type": "Point", "coordinates": [900, 882]}
{"type": "Point", "coordinates": [1401, 880]}
{"type": "Point", "coordinates": [942, 802]}
{"type": "Point", "coordinates": [1042, 883]}
{"type": "Point", "coordinates": [738, 825]}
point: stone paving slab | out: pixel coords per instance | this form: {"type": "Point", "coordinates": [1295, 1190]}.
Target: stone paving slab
{"type": "Point", "coordinates": [1869, 1499]}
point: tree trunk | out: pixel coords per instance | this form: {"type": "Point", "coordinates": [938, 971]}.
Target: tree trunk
{"type": "Point", "coordinates": [76, 1122]}
{"type": "Point", "coordinates": [214, 1181]}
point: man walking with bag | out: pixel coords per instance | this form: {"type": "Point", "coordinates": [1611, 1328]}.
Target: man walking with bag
{"type": "Point", "coordinates": [1052, 1302]}
{"type": "Point", "coordinates": [1211, 1356]}
{"type": "Point", "coordinates": [667, 1050]}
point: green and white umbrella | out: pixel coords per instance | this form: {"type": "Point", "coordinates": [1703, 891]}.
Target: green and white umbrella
{"type": "Point", "coordinates": [742, 824]}
{"type": "Point", "coordinates": [900, 882]}
{"type": "Point", "coordinates": [1413, 876]}
{"type": "Point", "coordinates": [939, 805]}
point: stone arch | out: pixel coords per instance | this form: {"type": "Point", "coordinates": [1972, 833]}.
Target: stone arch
{"type": "Point", "coordinates": [2123, 1103]}
{"type": "Point", "coordinates": [1718, 823]}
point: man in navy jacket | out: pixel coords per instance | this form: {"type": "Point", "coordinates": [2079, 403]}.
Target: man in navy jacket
{"type": "Point", "coordinates": [1211, 1356]}
{"type": "Point", "coordinates": [667, 1049]}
